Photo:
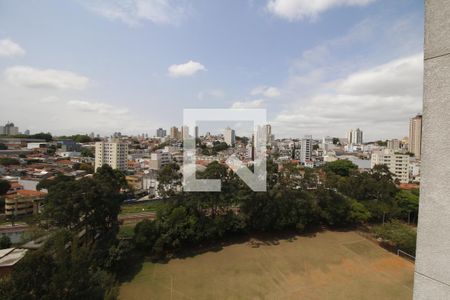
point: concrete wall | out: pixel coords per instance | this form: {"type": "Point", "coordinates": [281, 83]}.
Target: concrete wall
{"type": "Point", "coordinates": [432, 277]}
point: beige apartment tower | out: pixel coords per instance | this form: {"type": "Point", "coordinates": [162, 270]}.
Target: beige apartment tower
{"type": "Point", "coordinates": [113, 153]}
{"type": "Point", "coordinates": [415, 136]}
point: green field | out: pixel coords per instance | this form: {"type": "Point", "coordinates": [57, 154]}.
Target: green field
{"type": "Point", "coordinates": [331, 265]}
{"type": "Point", "coordinates": [150, 206]}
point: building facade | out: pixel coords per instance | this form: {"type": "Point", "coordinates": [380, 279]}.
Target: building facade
{"type": "Point", "coordinates": [159, 159]}
{"type": "Point", "coordinates": [394, 144]}
{"type": "Point", "coordinates": [9, 129]}
{"type": "Point", "coordinates": [306, 149]}
{"type": "Point", "coordinates": [398, 164]}
{"type": "Point", "coordinates": [112, 153]}
{"type": "Point", "coordinates": [174, 132]}
{"type": "Point", "coordinates": [355, 136]}
{"type": "Point", "coordinates": [229, 136]}
{"type": "Point", "coordinates": [161, 133]}
{"type": "Point", "coordinates": [415, 136]}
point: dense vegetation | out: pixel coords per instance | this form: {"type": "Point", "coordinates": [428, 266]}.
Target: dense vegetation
{"type": "Point", "coordinates": [337, 195]}
{"type": "Point", "coordinates": [397, 234]}
{"type": "Point", "coordinates": [81, 256]}
{"type": "Point", "coordinates": [6, 161]}
{"type": "Point", "coordinates": [216, 148]}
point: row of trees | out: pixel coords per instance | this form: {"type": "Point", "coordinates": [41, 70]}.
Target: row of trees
{"type": "Point", "coordinates": [297, 200]}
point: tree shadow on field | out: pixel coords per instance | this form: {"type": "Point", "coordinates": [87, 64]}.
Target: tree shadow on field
{"type": "Point", "coordinates": [134, 266]}
{"type": "Point", "coordinates": [253, 240]}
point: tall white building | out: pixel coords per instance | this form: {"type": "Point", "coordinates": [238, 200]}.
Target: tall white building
{"type": "Point", "coordinates": [415, 136]}
{"type": "Point", "coordinates": [306, 149]}
{"type": "Point", "coordinates": [229, 136]}
{"type": "Point", "coordinates": [355, 136]}
{"type": "Point", "coordinates": [113, 153]}
{"type": "Point", "coordinates": [398, 164]}
{"type": "Point", "coordinates": [9, 129]}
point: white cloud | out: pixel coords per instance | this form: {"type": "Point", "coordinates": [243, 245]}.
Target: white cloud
{"type": "Point", "coordinates": [266, 91]}
{"type": "Point", "coordinates": [9, 48]}
{"type": "Point", "coordinates": [47, 78]}
{"type": "Point", "coordinates": [187, 69]}
{"type": "Point", "coordinates": [259, 103]}
{"type": "Point", "coordinates": [49, 110]}
{"type": "Point", "coordinates": [379, 100]}
{"type": "Point", "coordinates": [398, 77]}
{"type": "Point", "coordinates": [50, 99]}
{"type": "Point", "coordinates": [132, 12]}
{"type": "Point", "coordinates": [208, 94]}
{"type": "Point", "coordinates": [96, 108]}
{"type": "Point", "coordinates": [301, 9]}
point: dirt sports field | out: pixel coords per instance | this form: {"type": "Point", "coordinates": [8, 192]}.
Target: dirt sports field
{"type": "Point", "coordinates": [331, 265]}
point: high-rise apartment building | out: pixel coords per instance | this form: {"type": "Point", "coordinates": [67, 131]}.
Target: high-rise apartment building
{"type": "Point", "coordinates": [398, 164]}
{"type": "Point", "coordinates": [174, 133]}
{"type": "Point", "coordinates": [185, 132]}
{"type": "Point", "coordinates": [268, 128]}
{"type": "Point", "coordinates": [113, 153]}
{"type": "Point", "coordinates": [9, 129]}
{"type": "Point", "coordinates": [161, 132]}
{"type": "Point", "coordinates": [415, 136]}
{"type": "Point", "coordinates": [355, 136]}
{"type": "Point", "coordinates": [229, 136]}
{"type": "Point", "coordinates": [394, 144]}
{"type": "Point", "coordinates": [306, 149]}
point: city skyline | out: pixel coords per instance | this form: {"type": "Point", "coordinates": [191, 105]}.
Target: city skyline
{"type": "Point", "coordinates": [124, 71]}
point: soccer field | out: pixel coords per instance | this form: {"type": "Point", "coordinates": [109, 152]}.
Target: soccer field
{"type": "Point", "coordinates": [331, 265]}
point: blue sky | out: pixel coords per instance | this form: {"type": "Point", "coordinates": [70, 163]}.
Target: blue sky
{"type": "Point", "coordinates": [319, 67]}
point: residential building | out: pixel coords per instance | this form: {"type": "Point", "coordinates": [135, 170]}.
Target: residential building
{"type": "Point", "coordinates": [23, 202]}
{"type": "Point", "coordinates": [196, 132]}
{"type": "Point", "coordinates": [174, 133]}
{"type": "Point", "coordinates": [159, 159]}
{"type": "Point", "coordinates": [306, 149]}
{"type": "Point", "coordinates": [398, 164]}
{"type": "Point", "coordinates": [185, 132]}
{"type": "Point", "coordinates": [414, 170]}
{"type": "Point", "coordinates": [9, 129]}
{"type": "Point", "coordinates": [415, 136]}
{"type": "Point", "coordinates": [394, 144]}
{"type": "Point", "coordinates": [113, 153]}
{"type": "Point", "coordinates": [230, 136]}
{"type": "Point", "coordinates": [355, 137]}
{"type": "Point", "coordinates": [161, 133]}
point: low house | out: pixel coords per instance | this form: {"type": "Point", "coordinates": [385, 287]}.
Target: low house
{"type": "Point", "coordinates": [9, 258]}
{"type": "Point", "coordinates": [24, 202]}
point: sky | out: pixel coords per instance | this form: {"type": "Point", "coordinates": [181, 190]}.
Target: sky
{"type": "Point", "coordinates": [319, 67]}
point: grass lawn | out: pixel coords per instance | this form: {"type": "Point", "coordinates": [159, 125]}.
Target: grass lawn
{"type": "Point", "coordinates": [126, 231]}
{"type": "Point", "coordinates": [151, 206]}
{"type": "Point", "coordinates": [331, 265]}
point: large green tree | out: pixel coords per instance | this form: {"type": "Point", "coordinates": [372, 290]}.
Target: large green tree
{"type": "Point", "coordinates": [4, 186]}
{"type": "Point", "coordinates": [342, 167]}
